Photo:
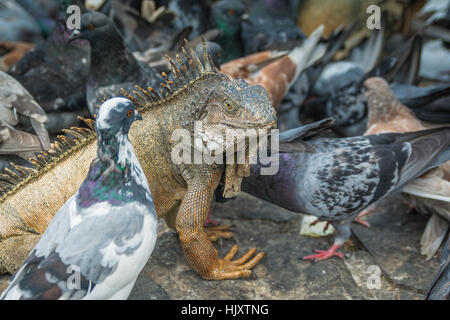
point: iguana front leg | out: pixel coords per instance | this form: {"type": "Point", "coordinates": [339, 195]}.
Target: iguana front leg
{"type": "Point", "coordinates": [197, 247]}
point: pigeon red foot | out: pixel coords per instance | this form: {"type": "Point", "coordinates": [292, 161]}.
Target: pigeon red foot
{"type": "Point", "coordinates": [367, 211]}
{"type": "Point", "coordinates": [325, 254]}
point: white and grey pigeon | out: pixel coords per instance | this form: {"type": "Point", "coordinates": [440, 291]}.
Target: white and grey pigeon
{"type": "Point", "coordinates": [335, 178]}
{"type": "Point", "coordinates": [113, 66]}
{"type": "Point", "coordinates": [101, 238]}
{"type": "Point", "coordinates": [18, 107]}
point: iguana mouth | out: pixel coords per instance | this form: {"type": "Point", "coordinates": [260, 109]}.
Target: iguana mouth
{"type": "Point", "coordinates": [214, 137]}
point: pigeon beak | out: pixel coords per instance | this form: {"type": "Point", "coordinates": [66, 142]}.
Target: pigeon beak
{"type": "Point", "coordinates": [75, 35]}
{"type": "Point", "coordinates": [138, 116]}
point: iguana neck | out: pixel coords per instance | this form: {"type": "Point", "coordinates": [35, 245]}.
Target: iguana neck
{"type": "Point", "coordinates": [182, 112]}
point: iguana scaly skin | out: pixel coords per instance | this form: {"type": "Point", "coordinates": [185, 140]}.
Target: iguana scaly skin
{"type": "Point", "coordinates": [182, 193]}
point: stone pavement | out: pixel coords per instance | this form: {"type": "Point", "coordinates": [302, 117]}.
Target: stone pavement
{"type": "Point", "coordinates": [390, 246]}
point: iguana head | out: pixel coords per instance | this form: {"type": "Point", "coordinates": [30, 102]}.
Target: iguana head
{"type": "Point", "coordinates": [208, 103]}
{"type": "Point", "coordinates": [232, 105]}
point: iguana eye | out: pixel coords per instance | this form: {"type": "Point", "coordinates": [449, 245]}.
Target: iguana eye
{"type": "Point", "coordinates": [90, 26]}
{"type": "Point", "coordinates": [130, 113]}
{"type": "Point", "coordinates": [228, 106]}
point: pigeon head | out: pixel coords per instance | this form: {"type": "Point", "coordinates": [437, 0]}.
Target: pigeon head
{"type": "Point", "coordinates": [376, 83]}
{"type": "Point", "coordinates": [227, 15]}
{"type": "Point", "coordinates": [116, 115]}
{"type": "Point", "coordinates": [94, 25]}
{"type": "Point", "coordinates": [378, 92]}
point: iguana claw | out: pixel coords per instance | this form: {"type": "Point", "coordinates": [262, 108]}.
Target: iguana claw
{"type": "Point", "coordinates": [239, 268]}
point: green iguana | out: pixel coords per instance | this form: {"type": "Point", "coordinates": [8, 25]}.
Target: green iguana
{"type": "Point", "coordinates": [182, 193]}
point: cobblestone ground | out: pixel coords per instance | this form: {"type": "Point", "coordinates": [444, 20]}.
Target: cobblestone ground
{"type": "Point", "coordinates": [389, 248]}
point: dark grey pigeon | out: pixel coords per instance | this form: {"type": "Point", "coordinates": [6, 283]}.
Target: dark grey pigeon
{"type": "Point", "coordinates": [335, 178]}
{"type": "Point", "coordinates": [113, 66]}
{"type": "Point", "coordinates": [265, 29]}
{"type": "Point", "coordinates": [55, 72]}
{"type": "Point", "coordinates": [440, 289]}
{"type": "Point", "coordinates": [101, 238]}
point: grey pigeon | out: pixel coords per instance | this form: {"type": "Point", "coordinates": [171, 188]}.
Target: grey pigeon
{"type": "Point", "coordinates": [55, 72]}
{"type": "Point", "coordinates": [341, 92]}
{"type": "Point", "coordinates": [335, 178]}
{"type": "Point", "coordinates": [17, 107]}
{"type": "Point", "coordinates": [113, 66]}
{"type": "Point", "coordinates": [440, 289]}
{"type": "Point", "coordinates": [101, 238]}
{"type": "Point", "coordinates": [430, 194]}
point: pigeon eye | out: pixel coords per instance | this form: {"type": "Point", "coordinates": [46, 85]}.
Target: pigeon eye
{"type": "Point", "coordinates": [231, 12]}
{"type": "Point", "coordinates": [90, 26]}
{"type": "Point", "coordinates": [130, 113]}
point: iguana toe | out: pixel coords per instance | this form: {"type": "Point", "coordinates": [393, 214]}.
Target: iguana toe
{"type": "Point", "coordinates": [239, 268]}
{"type": "Point", "coordinates": [214, 233]}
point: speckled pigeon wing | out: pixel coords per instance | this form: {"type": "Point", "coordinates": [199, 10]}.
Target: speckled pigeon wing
{"type": "Point", "coordinates": [343, 176]}
{"type": "Point", "coordinates": [423, 150]}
